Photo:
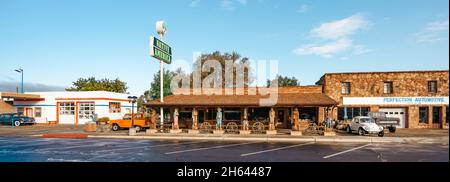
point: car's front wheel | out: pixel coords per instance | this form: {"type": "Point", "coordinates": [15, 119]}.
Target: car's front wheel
{"type": "Point", "coordinates": [361, 132]}
{"type": "Point", "coordinates": [392, 129]}
{"type": "Point", "coordinates": [16, 123]}
{"type": "Point", "coordinates": [115, 127]}
{"type": "Point", "coordinates": [381, 134]}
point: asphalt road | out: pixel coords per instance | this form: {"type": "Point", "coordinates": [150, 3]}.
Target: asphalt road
{"type": "Point", "coordinates": [28, 149]}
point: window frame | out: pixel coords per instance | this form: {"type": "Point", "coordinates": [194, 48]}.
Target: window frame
{"type": "Point", "coordinates": [66, 108]}
{"type": "Point", "coordinates": [390, 89]}
{"type": "Point", "coordinates": [36, 115]}
{"type": "Point", "coordinates": [115, 107]}
{"type": "Point", "coordinates": [86, 114]}
{"type": "Point", "coordinates": [430, 86]}
{"type": "Point", "coordinates": [348, 88]}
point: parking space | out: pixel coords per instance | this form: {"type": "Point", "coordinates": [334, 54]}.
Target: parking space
{"type": "Point", "coordinates": [117, 150]}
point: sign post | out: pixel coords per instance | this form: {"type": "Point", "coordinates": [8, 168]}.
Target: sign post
{"type": "Point", "coordinates": [162, 52]}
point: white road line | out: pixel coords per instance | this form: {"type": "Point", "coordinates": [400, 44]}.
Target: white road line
{"type": "Point", "coordinates": [207, 148]}
{"type": "Point", "coordinates": [349, 150]}
{"type": "Point", "coordinates": [275, 149]}
{"type": "Point", "coordinates": [162, 145]}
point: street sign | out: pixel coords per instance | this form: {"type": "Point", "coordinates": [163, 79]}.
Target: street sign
{"type": "Point", "coordinates": [160, 50]}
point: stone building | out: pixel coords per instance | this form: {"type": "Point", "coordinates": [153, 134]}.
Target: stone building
{"type": "Point", "coordinates": [418, 98]}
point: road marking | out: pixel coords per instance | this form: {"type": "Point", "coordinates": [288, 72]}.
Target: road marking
{"type": "Point", "coordinates": [162, 145]}
{"type": "Point", "coordinates": [275, 149]}
{"type": "Point", "coordinates": [207, 148]}
{"type": "Point", "coordinates": [349, 150]}
{"type": "Point", "coordinates": [77, 146]}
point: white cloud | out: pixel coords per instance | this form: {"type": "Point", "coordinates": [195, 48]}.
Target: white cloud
{"type": "Point", "coordinates": [340, 28]}
{"type": "Point", "coordinates": [433, 32]}
{"type": "Point", "coordinates": [335, 37]}
{"type": "Point", "coordinates": [227, 4]}
{"type": "Point", "coordinates": [325, 50]}
{"type": "Point", "coordinates": [194, 3]}
{"type": "Point", "coordinates": [303, 8]}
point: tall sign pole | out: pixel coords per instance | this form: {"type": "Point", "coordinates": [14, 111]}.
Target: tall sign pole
{"type": "Point", "coordinates": [163, 53]}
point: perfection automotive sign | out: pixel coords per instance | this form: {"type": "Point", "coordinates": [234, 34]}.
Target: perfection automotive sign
{"type": "Point", "coordinates": [395, 100]}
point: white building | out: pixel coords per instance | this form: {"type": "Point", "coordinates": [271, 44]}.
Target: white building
{"type": "Point", "coordinates": [73, 107]}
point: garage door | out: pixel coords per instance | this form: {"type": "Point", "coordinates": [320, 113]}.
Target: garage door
{"type": "Point", "coordinates": [396, 113]}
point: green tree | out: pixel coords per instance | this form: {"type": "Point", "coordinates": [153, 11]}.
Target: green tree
{"type": "Point", "coordinates": [284, 81]}
{"type": "Point", "coordinates": [155, 85]}
{"type": "Point", "coordinates": [92, 84]}
{"type": "Point", "coordinates": [238, 62]}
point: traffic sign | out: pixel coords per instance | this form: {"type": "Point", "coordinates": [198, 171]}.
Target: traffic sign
{"type": "Point", "coordinates": [160, 50]}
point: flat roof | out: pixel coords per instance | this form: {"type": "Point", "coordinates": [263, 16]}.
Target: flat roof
{"type": "Point", "coordinates": [375, 72]}
{"type": "Point", "coordinates": [19, 95]}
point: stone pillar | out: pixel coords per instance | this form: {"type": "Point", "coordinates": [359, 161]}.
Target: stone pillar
{"type": "Point", "coordinates": [296, 116]}
{"type": "Point", "coordinates": [413, 117]}
{"type": "Point", "coordinates": [443, 115]}
{"type": "Point", "coordinates": [430, 116]}
{"type": "Point", "coordinates": [321, 114]}
{"type": "Point", "coordinates": [374, 108]}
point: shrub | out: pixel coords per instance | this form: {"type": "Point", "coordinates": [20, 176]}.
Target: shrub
{"type": "Point", "coordinates": [103, 119]}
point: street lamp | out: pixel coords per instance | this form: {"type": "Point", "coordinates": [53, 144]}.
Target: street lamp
{"type": "Point", "coordinates": [132, 100]}
{"type": "Point", "coordinates": [20, 70]}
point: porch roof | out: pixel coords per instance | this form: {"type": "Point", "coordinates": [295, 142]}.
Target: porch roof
{"type": "Point", "coordinates": [284, 99]}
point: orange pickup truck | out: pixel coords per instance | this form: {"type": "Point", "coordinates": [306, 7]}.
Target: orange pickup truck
{"type": "Point", "coordinates": [125, 122]}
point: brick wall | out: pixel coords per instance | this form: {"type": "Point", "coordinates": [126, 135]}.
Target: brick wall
{"type": "Point", "coordinates": [405, 84]}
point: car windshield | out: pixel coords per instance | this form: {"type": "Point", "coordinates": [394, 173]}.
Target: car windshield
{"type": "Point", "coordinates": [366, 120]}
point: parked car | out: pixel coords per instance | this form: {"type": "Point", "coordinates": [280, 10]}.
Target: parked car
{"type": "Point", "coordinates": [125, 122]}
{"type": "Point", "coordinates": [365, 125]}
{"type": "Point", "coordinates": [387, 122]}
{"type": "Point", "coordinates": [16, 119]}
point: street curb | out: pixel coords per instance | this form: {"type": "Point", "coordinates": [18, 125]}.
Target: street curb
{"type": "Point", "coordinates": [264, 139]}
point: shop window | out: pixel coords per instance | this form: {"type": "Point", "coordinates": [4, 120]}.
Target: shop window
{"type": "Point", "coordinates": [309, 113]}
{"type": "Point", "coordinates": [258, 114]}
{"type": "Point", "coordinates": [86, 110]}
{"type": "Point", "coordinates": [20, 110]}
{"type": "Point", "coordinates": [232, 114]}
{"type": "Point", "coordinates": [432, 86]}
{"type": "Point", "coordinates": [185, 115]}
{"type": "Point", "coordinates": [353, 112]}
{"type": "Point", "coordinates": [114, 107]}
{"type": "Point", "coordinates": [67, 108]}
{"type": "Point", "coordinates": [436, 115]}
{"type": "Point", "coordinates": [423, 114]}
{"type": "Point", "coordinates": [211, 113]}
{"type": "Point", "coordinates": [345, 87]}
{"type": "Point", "coordinates": [37, 112]}
{"type": "Point", "coordinates": [387, 87]}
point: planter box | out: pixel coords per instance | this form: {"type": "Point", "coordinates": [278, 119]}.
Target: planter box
{"type": "Point", "coordinates": [218, 132]}
{"type": "Point", "coordinates": [329, 133]}
{"type": "Point", "coordinates": [132, 131]}
{"type": "Point", "coordinates": [175, 131]}
{"type": "Point", "coordinates": [193, 131]}
{"type": "Point", "coordinates": [90, 127]}
{"type": "Point", "coordinates": [296, 133]}
{"type": "Point", "coordinates": [244, 132]}
{"type": "Point", "coordinates": [151, 131]}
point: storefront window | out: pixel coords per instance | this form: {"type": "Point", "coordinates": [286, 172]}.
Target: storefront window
{"type": "Point", "coordinates": [308, 113]}
{"type": "Point", "coordinates": [114, 107]}
{"type": "Point", "coordinates": [423, 114]}
{"type": "Point", "coordinates": [353, 112]}
{"type": "Point", "coordinates": [345, 87]}
{"type": "Point", "coordinates": [37, 112]}
{"type": "Point", "coordinates": [436, 114]}
{"type": "Point", "coordinates": [211, 113]}
{"type": "Point", "coordinates": [67, 108]}
{"type": "Point", "coordinates": [232, 114]}
{"type": "Point", "coordinates": [86, 110]}
{"type": "Point", "coordinates": [258, 114]}
{"type": "Point", "coordinates": [20, 110]}
{"type": "Point", "coordinates": [446, 115]}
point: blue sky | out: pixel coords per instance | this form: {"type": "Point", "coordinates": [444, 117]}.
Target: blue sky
{"type": "Point", "coordinates": [58, 41]}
